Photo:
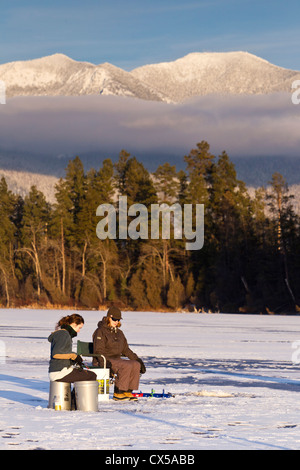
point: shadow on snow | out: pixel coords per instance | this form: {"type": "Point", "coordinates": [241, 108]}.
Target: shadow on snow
{"type": "Point", "coordinates": [225, 372]}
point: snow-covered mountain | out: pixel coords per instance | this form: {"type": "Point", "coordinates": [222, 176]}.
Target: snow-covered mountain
{"type": "Point", "coordinates": [59, 75]}
{"type": "Point", "coordinates": [20, 182]}
{"type": "Point", "coordinates": [206, 73]}
{"type": "Point", "coordinates": [193, 75]}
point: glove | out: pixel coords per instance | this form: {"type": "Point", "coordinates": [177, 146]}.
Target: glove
{"type": "Point", "coordinates": [78, 360]}
{"type": "Point", "coordinates": [143, 367]}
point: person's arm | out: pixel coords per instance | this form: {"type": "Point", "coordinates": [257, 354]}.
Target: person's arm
{"type": "Point", "coordinates": [127, 352]}
{"type": "Point", "coordinates": [133, 356]}
{"type": "Point", "coordinates": [71, 356]}
{"type": "Point", "coordinates": [62, 346]}
{"type": "Point", "coordinates": [99, 348]}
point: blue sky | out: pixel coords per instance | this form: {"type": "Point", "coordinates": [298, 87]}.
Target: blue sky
{"type": "Point", "coordinates": [131, 33]}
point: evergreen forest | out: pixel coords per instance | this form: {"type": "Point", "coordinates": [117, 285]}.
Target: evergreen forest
{"type": "Point", "coordinates": [50, 254]}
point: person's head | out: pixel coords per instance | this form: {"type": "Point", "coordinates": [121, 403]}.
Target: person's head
{"type": "Point", "coordinates": [75, 321]}
{"type": "Point", "coordinates": [114, 316]}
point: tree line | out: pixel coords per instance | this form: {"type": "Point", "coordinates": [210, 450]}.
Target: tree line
{"type": "Point", "coordinates": [50, 253]}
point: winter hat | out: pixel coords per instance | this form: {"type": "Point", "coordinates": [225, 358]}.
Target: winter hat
{"type": "Point", "coordinates": [115, 313]}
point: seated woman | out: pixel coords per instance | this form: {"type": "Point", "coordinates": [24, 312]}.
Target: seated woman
{"type": "Point", "coordinates": [62, 359]}
{"type": "Point", "coordinates": [110, 342]}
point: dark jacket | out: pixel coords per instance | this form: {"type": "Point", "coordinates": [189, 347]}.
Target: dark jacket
{"type": "Point", "coordinates": [111, 343]}
{"type": "Point", "coordinates": [61, 343]}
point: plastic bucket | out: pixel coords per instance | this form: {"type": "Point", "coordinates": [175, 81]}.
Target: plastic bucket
{"type": "Point", "coordinates": [60, 396]}
{"type": "Point", "coordinates": [86, 393]}
{"type": "Point", "coordinates": [103, 383]}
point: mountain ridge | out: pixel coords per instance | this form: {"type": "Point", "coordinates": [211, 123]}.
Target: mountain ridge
{"type": "Point", "coordinates": [195, 74]}
{"type": "Point", "coordinates": [217, 73]}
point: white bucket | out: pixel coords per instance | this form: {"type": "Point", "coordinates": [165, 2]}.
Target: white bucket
{"type": "Point", "coordinates": [86, 393]}
{"type": "Point", "coordinates": [103, 383]}
{"type": "Point", "coordinates": [60, 396]}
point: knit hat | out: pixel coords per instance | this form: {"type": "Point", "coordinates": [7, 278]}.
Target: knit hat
{"type": "Point", "coordinates": [114, 312]}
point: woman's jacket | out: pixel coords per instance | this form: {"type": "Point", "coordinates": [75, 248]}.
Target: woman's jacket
{"type": "Point", "coordinates": [111, 343]}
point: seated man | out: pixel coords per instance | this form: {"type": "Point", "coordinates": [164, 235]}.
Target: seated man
{"type": "Point", "coordinates": [110, 341]}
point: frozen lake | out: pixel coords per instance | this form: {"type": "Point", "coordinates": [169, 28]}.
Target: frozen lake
{"type": "Point", "coordinates": [235, 378]}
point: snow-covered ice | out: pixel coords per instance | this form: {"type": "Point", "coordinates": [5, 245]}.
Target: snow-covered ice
{"type": "Point", "coordinates": [235, 379]}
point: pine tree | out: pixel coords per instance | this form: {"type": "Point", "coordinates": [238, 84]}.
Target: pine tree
{"type": "Point", "coordinates": [190, 286]}
{"type": "Point", "coordinates": [134, 181]}
{"type": "Point", "coordinates": [166, 183]}
{"type": "Point", "coordinates": [176, 294]}
{"type": "Point", "coordinates": [8, 205]}
{"type": "Point", "coordinates": [121, 167]}
{"type": "Point", "coordinates": [146, 286]}
{"type": "Point", "coordinates": [199, 165]}
{"type": "Point", "coordinates": [137, 291]}
{"type": "Point", "coordinates": [70, 196]}
{"type": "Point", "coordinates": [36, 217]}
{"type": "Point", "coordinates": [227, 222]}
{"type": "Point", "coordinates": [285, 222]}
{"type": "Point", "coordinates": [101, 256]}
{"type": "Point", "coordinates": [99, 190]}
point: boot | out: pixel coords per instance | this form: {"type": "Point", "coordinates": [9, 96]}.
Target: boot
{"type": "Point", "coordinates": [122, 395]}
{"type": "Point", "coordinates": [119, 395]}
{"type": "Point", "coordinates": [129, 394]}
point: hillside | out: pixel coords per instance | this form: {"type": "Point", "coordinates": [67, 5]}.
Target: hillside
{"type": "Point", "coordinates": [206, 73]}
{"type": "Point", "coordinates": [20, 182]}
{"type": "Point", "coordinates": [196, 74]}
{"type": "Point", "coordinates": [59, 75]}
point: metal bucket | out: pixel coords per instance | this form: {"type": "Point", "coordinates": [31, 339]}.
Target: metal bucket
{"type": "Point", "coordinates": [60, 396]}
{"type": "Point", "coordinates": [86, 393]}
{"type": "Point", "coordinates": [103, 383]}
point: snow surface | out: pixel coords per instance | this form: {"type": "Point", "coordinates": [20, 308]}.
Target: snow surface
{"type": "Point", "coordinates": [195, 74]}
{"type": "Point", "coordinates": [235, 379]}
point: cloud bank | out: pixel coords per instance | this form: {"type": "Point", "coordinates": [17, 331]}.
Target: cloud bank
{"type": "Point", "coordinates": [260, 125]}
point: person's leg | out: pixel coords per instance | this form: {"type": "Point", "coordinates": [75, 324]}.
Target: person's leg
{"type": "Point", "coordinates": [134, 379]}
{"type": "Point", "coordinates": [127, 373]}
{"type": "Point", "coordinates": [78, 375]}
{"type": "Point", "coordinates": [127, 378]}
{"type": "Point", "coordinates": [134, 376]}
